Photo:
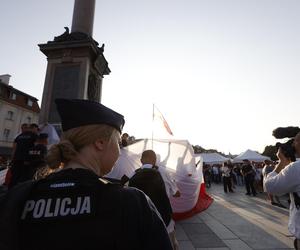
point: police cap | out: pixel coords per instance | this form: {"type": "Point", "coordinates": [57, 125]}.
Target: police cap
{"type": "Point", "coordinates": [75, 113]}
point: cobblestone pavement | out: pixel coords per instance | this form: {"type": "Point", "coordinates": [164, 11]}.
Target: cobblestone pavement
{"type": "Point", "coordinates": [238, 222]}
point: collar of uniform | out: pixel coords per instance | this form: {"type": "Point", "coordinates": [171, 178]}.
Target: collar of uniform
{"type": "Point", "coordinates": [147, 166]}
{"type": "Point", "coordinates": [75, 165]}
{"type": "Point", "coordinates": [75, 175]}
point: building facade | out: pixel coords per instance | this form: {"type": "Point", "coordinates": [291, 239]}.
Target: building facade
{"type": "Point", "coordinates": [16, 108]}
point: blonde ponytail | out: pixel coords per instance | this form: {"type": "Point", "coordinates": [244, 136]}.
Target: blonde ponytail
{"type": "Point", "coordinates": [60, 153]}
{"type": "Point", "coordinates": [73, 141]}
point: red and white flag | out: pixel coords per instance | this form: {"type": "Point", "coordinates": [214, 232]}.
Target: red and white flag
{"type": "Point", "coordinates": [158, 115]}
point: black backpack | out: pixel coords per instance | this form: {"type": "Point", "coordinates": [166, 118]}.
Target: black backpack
{"type": "Point", "coordinates": [152, 184]}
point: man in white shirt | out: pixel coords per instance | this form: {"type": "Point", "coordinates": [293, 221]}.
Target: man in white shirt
{"type": "Point", "coordinates": [286, 179]}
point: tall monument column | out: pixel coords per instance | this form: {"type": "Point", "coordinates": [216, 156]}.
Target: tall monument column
{"type": "Point", "coordinates": [76, 64]}
{"type": "Point", "coordinates": [83, 16]}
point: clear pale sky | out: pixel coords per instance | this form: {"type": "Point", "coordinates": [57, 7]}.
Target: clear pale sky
{"type": "Point", "coordinates": [224, 73]}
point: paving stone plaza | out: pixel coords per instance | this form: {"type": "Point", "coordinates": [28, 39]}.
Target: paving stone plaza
{"type": "Point", "coordinates": [236, 221]}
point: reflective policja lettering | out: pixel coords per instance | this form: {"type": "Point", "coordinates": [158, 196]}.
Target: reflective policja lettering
{"type": "Point", "coordinates": [62, 207]}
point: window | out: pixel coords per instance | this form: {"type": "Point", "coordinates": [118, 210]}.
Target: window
{"type": "Point", "coordinates": [6, 134]}
{"type": "Point", "coordinates": [29, 103]}
{"type": "Point", "coordinates": [28, 120]}
{"type": "Point", "coordinates": [13, 96]}
{"type": "Point", "coordinates": [10, 115]}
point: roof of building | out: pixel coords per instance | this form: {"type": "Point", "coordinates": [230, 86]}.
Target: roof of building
{"type": "Point", "coordinates": [21, 98]}
{"type": "Point", "coordinates": [18, 91]}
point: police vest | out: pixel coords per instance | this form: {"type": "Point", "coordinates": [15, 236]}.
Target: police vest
{"type": "Point", "coordinates": [74, 209]}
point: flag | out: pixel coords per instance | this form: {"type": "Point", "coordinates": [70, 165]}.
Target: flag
{"type": "Point", "coordinates": [158, 115]}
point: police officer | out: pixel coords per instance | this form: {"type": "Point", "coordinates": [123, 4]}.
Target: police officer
{"type": "Point", "coordinates": [36, 157]}
{"type": "Point", "coordinates": [286, 179]}
{"type": "Point", "coordinates": [248, 173]}
{"type": "Point", "coordinates": [22, 143]}
{"type": "Point", "coordinates": [74, 208]}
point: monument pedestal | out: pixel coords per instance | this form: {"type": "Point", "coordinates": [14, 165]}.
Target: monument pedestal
{"type": "Point", "coordinates": [76, 67]}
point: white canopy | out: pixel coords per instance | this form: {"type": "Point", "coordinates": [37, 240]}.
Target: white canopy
{"type": "Point", "coordinates": [212, 158]}
{"type": "Point", "coordinates": [178, 158]}
{"type": "Point", "coordinates": [251, 156]}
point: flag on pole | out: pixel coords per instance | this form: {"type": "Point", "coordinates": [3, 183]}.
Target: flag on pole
{"type": "Point", "coordinates": [158, 115]}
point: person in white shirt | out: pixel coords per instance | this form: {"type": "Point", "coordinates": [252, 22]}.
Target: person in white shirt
{"type": "Point", "coordinates": [215, 170]}
{"type": "Point", "coordinates": [286, 179]}
{"type": "Point", "coordinates": [226, 170]}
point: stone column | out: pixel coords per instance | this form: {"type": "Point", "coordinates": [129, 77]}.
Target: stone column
{"type": "Point", "coordinates": [76, 64]}
{"type": "Point", "coordinates": [83, 17]}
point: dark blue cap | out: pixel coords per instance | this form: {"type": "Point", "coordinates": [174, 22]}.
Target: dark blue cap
{"type": "Point", "coordinates": [75, 113]}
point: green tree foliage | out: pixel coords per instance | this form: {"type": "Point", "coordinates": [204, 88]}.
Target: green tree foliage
{"type": "Point", "coordinates": [270, 151]}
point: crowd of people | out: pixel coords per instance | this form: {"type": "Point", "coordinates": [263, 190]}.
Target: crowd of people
{"type": "Point", "coordinates": [248, 174]}
{"type": "Point", "coordinates": [72, 192]}
{"type": "Point", "coordinates": [275, 178]}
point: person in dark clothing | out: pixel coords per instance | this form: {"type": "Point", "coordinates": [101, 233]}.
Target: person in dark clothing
{"type": "Point", "coordinates": [148, 179]}
{"type": "Point", "coordinates": [124, 140]}
{"type": "Point", "coordinates": [207, 175]}
{"type": "Point", "coordinates": [23, 143]}
{"type": "Point", "coordinates": [238, 174]}
{"type": "Point", "coordinates": [36, 157]}
{"type": "Point", "coordinates": [74, 207]}
{"type": "Point", "coordinates": [249, 174]}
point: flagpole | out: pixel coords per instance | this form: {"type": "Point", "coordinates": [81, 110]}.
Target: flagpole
{"type": "Point", "coordinates": [152, 125]}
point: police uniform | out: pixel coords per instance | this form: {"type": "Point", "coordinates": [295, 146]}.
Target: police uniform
{"type": "Point", "coordinates": [23, 142]}
{"type": "Point", "coordinates": [287, 181]}
{"type": "Point", "coordinates": [75, 209]}
{"type": "Point", "coordinates": [36, 158]}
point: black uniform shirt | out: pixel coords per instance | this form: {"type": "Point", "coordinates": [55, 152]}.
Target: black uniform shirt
{"type": "Point", "coordinates": [73, 209]}
{"type": "Point", "coordinates": [24, 141]}
{"type": "Point", "coordinates": [36, 155]}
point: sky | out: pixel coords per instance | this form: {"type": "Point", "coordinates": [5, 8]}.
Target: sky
{"type": "Point", "coordinates": [224, 73]}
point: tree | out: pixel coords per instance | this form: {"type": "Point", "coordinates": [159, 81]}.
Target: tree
{"type": "Point", "coordinates": [271, 151]}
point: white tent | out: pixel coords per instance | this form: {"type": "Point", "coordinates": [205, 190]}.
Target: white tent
{"type": "Point", "coordinates": [251, 156]}
{"type": "Point", "coordinates": [178, 158]}
{"type": "Point", "coordinates": [212, 158]}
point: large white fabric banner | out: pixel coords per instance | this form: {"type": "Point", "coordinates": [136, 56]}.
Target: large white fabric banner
{"type": "Point", "coordinates": [2, 176]}
{"type": "Point", "coordinates": [177, 157]}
